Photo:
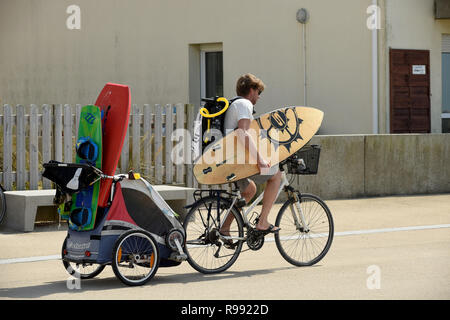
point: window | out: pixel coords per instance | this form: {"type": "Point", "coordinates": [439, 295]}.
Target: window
{"type": "Point", "coordinates": [211, 71]}
{"type": "Point", "coordinates": [205, 71]}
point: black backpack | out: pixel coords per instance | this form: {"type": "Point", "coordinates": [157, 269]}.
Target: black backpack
{"type": "Point", "coordinates": [209, 129]}
{"type": "Point", "coordinates": [213, 128]}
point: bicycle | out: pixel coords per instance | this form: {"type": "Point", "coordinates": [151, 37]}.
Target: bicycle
{"type": "Point", "coordinates": [2, 204]}
{"type": "Point", "coordinates": [306, 230]}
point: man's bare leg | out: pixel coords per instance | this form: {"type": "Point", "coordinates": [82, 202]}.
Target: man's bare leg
{"type": "Point", "coordinates": [270, 193]}
{"type": "Point", "coordinates": [248, 194]}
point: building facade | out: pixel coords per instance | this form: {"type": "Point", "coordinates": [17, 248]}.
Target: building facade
{"type": "Point", "coordinates": [372, 66]}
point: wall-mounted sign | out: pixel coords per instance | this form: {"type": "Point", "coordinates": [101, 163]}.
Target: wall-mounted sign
{"type": "Point", "coordinates": [419, 69]}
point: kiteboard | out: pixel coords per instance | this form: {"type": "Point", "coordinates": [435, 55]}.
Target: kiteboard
{"type": "Point", "coordinates": [114, 102]}
{"type": "Point", "coordinates": [277, 135]}
{"type": "Point", "coordinates": [89, 150]}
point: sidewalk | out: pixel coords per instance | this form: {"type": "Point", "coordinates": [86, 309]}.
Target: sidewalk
{"type": "Point", "coordinates": [413, 262]}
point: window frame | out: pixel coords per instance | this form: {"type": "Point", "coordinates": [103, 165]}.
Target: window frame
{"type": "Point", "coordinates": [203, 52]}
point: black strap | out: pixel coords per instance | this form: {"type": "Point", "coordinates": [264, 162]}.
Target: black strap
{"type": "Point", "coordinates": [234, 99]}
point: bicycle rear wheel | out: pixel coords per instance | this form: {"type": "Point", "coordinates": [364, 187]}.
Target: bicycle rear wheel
{"type": "Point", "coordinates": [207, 252]}
{"type": "Point", "coordinates": [304, 245]}
{"type": "Point", "coordinates": [2, 205]}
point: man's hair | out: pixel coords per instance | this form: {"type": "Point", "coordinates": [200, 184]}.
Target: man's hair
{"type": "Point", "coordinates": [246, 82]}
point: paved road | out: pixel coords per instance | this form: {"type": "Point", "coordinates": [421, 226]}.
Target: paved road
{"type": "Point", "coordinates": [375, 255]}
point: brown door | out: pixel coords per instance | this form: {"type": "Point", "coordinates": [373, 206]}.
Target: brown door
{"type": "Point", "coordinates": [409, 91]}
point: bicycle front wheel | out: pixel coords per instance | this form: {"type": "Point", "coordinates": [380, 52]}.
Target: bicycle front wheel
{"type": "Point", "coordinates": [207, 250]}
{"type": "Point", "coordinates": [304, 242]}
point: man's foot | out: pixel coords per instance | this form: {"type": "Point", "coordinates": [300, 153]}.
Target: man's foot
{"type": "Point", "coordinates": [270, 229]}
{"type": "Point", "coordinates": [227, 243]}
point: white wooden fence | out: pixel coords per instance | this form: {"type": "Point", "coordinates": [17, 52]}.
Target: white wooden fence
{"type": "Point", "coordinates": [34, 135]}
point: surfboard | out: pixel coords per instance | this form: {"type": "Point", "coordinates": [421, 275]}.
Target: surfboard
{"type": "Point", "coordinates": [84, 203]}
{"type": "Point", "coordinates": [277, 135]}
{"type": "Point", "coordinates": [114, 102]}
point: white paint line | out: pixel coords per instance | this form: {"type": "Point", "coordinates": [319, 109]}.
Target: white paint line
{"type": "Point", "coordinates": [343, 233]}
{"type": "Point", "coordinates": [30, 259]}
{"type": "Point", "coordinates": [359, 232]}
{"type": "Point", "coordinates": [349, 233]}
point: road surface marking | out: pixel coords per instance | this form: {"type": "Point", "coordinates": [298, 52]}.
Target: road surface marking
{"type": "Point", "coordinates": [30, 259]}
{"type": "Point", "coordinates": [359, 232]}
{"type": "Point", "coordinates": [343, 233]}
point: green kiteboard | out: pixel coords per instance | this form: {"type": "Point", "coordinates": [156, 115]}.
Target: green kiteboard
{"type": "Point", "coordinates": [89, 150]}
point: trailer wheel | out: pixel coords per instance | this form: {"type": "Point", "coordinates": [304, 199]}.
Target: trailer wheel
{"type": "Point", "coordinates": [80, 270]}
{"type": "Point", "coordinates": [135, 257]}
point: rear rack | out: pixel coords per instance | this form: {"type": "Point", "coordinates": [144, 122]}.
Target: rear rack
{"type": "Point", "coordinates": [200, 194]}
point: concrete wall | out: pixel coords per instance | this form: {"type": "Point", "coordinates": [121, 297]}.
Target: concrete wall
{"type": "Point", "coordinates": [379, 165]}
{"type": "Point", "coordinates": [150, 46]}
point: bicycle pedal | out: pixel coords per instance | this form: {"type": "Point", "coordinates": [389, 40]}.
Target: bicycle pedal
{"type": "Point", "coordinates": [254, 220]}
{"type": "Point", "coordinates": [230, 246]}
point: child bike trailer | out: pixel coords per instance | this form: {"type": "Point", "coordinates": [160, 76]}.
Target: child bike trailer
{"type": "Point", "coordinates": [136, 233]}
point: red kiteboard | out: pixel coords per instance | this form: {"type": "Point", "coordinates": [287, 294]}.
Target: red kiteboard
{"type": "Point", "coordinates": [115, 104]}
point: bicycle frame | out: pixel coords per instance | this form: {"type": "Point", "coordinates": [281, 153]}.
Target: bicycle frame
{"type": "Point", "coordinates": [284, 185]}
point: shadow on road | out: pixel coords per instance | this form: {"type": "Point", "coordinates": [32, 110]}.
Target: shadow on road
{"type": "Point", "coordinates": [57, 287]}
{"type": "Point", "coordinates": [48, 289]}
{"type": "Point", "coordinates": [199, 277]}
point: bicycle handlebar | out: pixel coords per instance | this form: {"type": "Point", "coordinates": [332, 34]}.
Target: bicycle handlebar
{"type": "Point", "coordinates": [121, 176]}
{"type": "Point", "coordinates": [294, 160]}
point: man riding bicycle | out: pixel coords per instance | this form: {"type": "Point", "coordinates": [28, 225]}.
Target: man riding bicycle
{"type": "Point", "coordinates": [239, 116]}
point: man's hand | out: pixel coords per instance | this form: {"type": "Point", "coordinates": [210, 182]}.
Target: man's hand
{"type": "Point", "coordinates": [263, 165]}
{"type": "Point", "coordinates": [246, 140]}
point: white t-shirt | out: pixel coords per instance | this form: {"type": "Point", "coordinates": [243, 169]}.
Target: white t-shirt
{"type": "Point", "coordinates": [239, 109]}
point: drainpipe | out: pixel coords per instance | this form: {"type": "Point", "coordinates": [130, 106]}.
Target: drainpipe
{"type": "Point", "coordinates": [304, 64]}
{"type": "Point", "coordinates": [303, 17]}
{"type": "Point", "coordinates": [375, 70]}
